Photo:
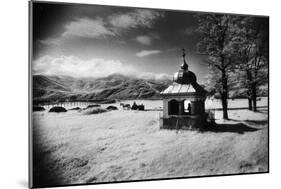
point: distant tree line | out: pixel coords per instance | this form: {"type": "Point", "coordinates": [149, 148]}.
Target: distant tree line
{"type": "Point", "coordinates": [237, 53]}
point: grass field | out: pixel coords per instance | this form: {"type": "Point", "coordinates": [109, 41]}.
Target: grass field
{"type": "Point", "coordinates": [73, 148]}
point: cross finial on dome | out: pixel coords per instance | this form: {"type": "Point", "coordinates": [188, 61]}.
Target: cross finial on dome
{"type": "Point", "coordinates": [184, 66]}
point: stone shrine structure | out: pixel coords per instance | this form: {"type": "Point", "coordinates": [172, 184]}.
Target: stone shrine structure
{"type": "Point", "coordinates": [183, 101]}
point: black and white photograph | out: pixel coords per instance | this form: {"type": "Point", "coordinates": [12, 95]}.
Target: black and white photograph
{"type": "Point", "coordinates": [122, 94]}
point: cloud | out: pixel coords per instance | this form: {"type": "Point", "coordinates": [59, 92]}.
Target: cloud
{"type": "Point", "coordinates": [122, 21]}
{"type": "Point", "coordinates": [85, 27]}
{"type": "Point", "coordinates": [139, 17]}
{"type": "Point", "coordinates": [144, 53]}
{"type": "Point", "coordinates": [154, 76]}
{"type": "Point", "coordinates": [73, 66]}
{"type": "Point", "coordinates": [104, 27]}
{"type": "Point", "coordinates": [145, 40]}
{"type": "Point", "coordinates": [97, 67]}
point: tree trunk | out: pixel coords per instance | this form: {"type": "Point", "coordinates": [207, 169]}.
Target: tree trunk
{"type": "Point", "coordinates": [250, 107]}
{"type": "Point", "coordinates": [254, 97]}
{"type": "Point", "coordinates": [224, 94]}
{"type": "Point", "coordinates": [249, 93]}
{"type": "Point", "coordinates": [224, 106]}
{"type": "Point", "coordinates": [254, 87]}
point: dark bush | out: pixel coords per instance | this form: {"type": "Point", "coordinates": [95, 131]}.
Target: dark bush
{"type": "Point", "coordinates": [112, 108]}
{"type": "Point", "coordinates": [57, 109]}
{"type": "Point", "coordinates": [141, 107]}
{"type": "Point", "coordinates": [134, 106]}
{"type": "Point", "coordinates": [137, 107]}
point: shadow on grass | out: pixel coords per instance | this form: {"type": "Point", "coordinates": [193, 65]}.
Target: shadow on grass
{"type": "Point", "coordinates": [252, 122]}
{"type": "Point", "coordinates": [50, 165]}
{"type": "Point", "coordinates": [239, 128]}
{"type": "Point", "coordinates": [257, 122]}
{"type": "Point", "coordinates": [44, 174]}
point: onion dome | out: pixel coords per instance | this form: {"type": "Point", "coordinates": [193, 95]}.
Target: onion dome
{"type": "Point", "coordinates": [184, 76]}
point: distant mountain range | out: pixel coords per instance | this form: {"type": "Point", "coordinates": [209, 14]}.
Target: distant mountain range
{"type": "Point", "coordinates": [116, 86]}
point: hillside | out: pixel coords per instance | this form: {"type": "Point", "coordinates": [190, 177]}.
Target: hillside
{"type": "Point", "coordinates": [115, 86]}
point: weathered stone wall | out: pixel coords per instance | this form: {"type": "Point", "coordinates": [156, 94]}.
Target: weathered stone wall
{"type": "Point", "coordinates": [186, 123]}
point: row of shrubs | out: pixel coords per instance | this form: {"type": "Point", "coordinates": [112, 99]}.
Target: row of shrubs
{"type": "Point", "coordinates": [91, 109]}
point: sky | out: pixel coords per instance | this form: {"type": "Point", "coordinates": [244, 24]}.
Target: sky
{"type": "Point", "coordinates": [97, 41]}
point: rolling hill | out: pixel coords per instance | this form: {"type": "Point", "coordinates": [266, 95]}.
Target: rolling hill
{"type": "Point", "coordinates": [116, 86]}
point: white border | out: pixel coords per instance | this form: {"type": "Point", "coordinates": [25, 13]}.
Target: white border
{"type": "Point", "coordinates": [14, 92]}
